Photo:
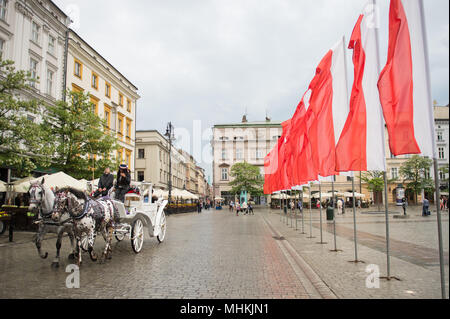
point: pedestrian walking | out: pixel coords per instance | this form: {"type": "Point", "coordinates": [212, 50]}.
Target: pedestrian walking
{"type": "Point", "coordinates": [245, 208]}
{"type": "Point", "coordinates": [300, 206]}
{"type": "Point", "coordinates": [238, 208]}
{"type": "Point", "coordinates": [292, 206]}
{"type": "Point", "coordinates": [425, 207]}
{"type": "Point", "coordinates": [339, 206]}
{"type": "Point", "coordinates": [250, 209]}
{"type": "Point", "coordinates": [404, 204]}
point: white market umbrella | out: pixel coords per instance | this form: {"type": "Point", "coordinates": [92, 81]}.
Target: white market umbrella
{"type": "Point", "coordinates": [60, 180]}
{"type": "Point", "coordinates": [23, 185]}
{"type": "Point", "coordinates": [161, 193]}
{"type": "Point", "coordinates": [2, 187]}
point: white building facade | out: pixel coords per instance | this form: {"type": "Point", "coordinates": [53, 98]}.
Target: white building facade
{"type": "Point", "coordinates": [32, 34]}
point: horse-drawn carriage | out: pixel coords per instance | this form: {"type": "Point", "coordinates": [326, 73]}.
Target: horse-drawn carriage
{"type": "Point", "coordinates": [137, 212]}
{"type": "Point", "coordinates": [73, 212]}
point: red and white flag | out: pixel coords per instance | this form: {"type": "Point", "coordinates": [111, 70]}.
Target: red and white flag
{"type": "Point", "coordinates": [404, 82]}
{"type": "Point", "coordinates": [328, 109]}
{"type": "Point", "coordinates": [361, 144]}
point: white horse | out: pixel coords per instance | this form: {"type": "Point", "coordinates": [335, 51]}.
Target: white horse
{"type": "Point", "coordinates": [42, 201]}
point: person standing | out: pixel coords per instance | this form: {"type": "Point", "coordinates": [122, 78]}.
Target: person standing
{"type": "Point", "coordinates": [245, 208]}
{"type": "Point", "coordinates": [105, 183]}
{"type": "Point", "coordinates": [123, 182]}
{"type": "Point", "coordinates": [238, 208]}
{"type": "Point", "coordinates": [404, 204]}
{"type": "Point", "coordinates": [231, 206]}
{"type": "Point", "coordinates": [250, 209]}
{"type": "Point", "coordinates": [425, 207]}
{"type": "Point", "coordinates": [300, 206]}
{"type": "Point", "coordinates": [339, 206]}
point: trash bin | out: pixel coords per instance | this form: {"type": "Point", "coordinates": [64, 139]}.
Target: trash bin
{"type": "Point", "coordinates": [330, 212]}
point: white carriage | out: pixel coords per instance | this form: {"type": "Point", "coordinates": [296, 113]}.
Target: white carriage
{"type": "Point", "coordinates": [137, 212]}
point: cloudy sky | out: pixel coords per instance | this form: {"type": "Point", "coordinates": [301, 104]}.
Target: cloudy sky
{"type": "Point", "coordinates": [214, 60]}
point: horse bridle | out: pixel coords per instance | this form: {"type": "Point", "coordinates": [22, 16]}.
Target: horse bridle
{"type": "Point", "coordinates": [35, 201]}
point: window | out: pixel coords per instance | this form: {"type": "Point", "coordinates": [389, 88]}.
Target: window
{"type": "Point", "coordinates": [107, 89]}
{"type": "Point", "coordinates": [140, 176]}
{"type": "Point", "coordinates": [239, 154]}
{"type": "Point", "coordinates": [120, 155]}
{"type": "Point", "coordinates": [50, 82]}
{"type": "Point", "coordinates": [94, 81]}
{"type": "Point", "coordinates": [94, 102]}
{"type": "Point", "coordinates": [128, 129]}
{"type": "Point", "coordinates": [120, 99]}
{"type": "Point", "coordinates": [120, 125]}
{"type": "Point", "coordinates": [441, 175]}
{"type": "Point", "coordinates": [33, 71]}
{"type": "Point", "coordinates": [35, 29]}
{"type": "Point", "coordinates": [439, 136]}
{"type": "Point", "coordinates": [2, 47]}
{"type": "Point", "coordinates": [78, 69]}
{"type": "Point", "coordinates": [128, 105]}
{"type": "Point", "coordinates": [224, 174]}
{"type": "Point", "coordinates": [128, 157]}
{"type": "Point", "coordinates": [427, 173]}
{"type": "Point", "coordinates": [51, 44]}
{"type": "Point", "coordinates": [259, 154]}
{"type": "Point", "coordinates": [107, 118]}
{"type": "Point", "coordinates": [160, 157]}
{"type": "Point", "coordinates": [441, 153]}
{"type": "Point", "coordinates": [224, 154]}
{"type": "Point", "coordinates": [3, 9]}
{"type": "Point", "coordinates": [141, 153]}
{"type": "Point", "coordinates": [394, 172]}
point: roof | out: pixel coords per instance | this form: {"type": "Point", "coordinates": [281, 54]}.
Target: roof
{"type": "Point", "coordinates": [252, 124]}
{"type": "Point", "coordinates": [109, 64]}
{"type": "Point", "coordinates": [441, 112]}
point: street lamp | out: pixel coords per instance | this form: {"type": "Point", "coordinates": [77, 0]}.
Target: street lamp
{"type": "Point", "coordinates": [170, 136]}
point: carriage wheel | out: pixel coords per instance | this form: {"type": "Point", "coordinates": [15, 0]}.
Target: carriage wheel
{"type": "Point", "coordinates": [162, 224]}
{"type": "Point", "coordinates": [137, 235]}
{"type": "Point", "coordinates": [84, 243]}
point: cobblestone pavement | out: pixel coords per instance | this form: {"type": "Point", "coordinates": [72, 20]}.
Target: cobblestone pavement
{"type": "Point", "coordinates": [208, 255]}
{"type": "Point", "coordinates": [218, 255]}
{"type": "Point", "coordinates": [414, 254]}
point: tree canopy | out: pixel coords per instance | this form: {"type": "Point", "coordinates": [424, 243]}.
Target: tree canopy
{"type": "Point", "coordinates": [246, 177]}
{"type": "Point", "coordinates": [415, 171]}
{"type": "Point", "coordinates": [82, 143]}
{"type": "Point", "coordinates": [21, 146]}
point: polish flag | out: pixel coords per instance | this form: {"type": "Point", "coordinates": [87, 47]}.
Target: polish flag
{"type": "Point", "coordinates": [328, 109]}
{"type": "Point", "coordinates": [404, 88]}
{"type": "Point", "coordinates": [361, 144]}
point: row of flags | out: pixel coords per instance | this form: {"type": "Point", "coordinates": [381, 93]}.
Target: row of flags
{"type": "Point", "coordinates": [332, 133]}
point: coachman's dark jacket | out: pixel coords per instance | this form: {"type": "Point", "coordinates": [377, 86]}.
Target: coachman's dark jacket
{"type": "Point", "coordinates": [106, 181]}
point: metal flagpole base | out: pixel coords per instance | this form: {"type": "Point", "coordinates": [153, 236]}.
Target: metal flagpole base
{"type": "Point", "coordinates": [322, 242]}
{"type": "Point", "coordinates": [357, 261]}
{"type": "Point", "coordinates": [336, 250]}
{"type": "Point", "coordinates": [391, 278]}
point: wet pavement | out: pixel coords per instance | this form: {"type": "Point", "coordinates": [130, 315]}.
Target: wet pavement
{"type": "Point", "coordinates": [216, 254]}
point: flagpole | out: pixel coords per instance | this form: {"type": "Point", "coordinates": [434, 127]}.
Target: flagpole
{"type": "Point", "coordinates": [303, 208]}
{"type": "Point", "coordinates": [435, 162]}
{"type": "Point", "coordinates": [296, 204]}
{"type": "Point", "coordinates": [334, 217]}
{"type": "Point", "coordinates": [354, 221]}
{"type": "Point", "coordinates": [310, 214]}
{"type": "Point", "coordinates": [386, 204]}
{"type": "Point", "coordinates": [321, 232]}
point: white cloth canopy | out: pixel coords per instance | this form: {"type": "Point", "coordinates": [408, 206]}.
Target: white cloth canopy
{"type": "Point", "coordinates": [324, 195]}
{"type": "Point", "coordinates": [188, 195]}
{"type": "Point", "coordinates": [2, 186]}
{"type": "Point", "coordinates": [357, 195]}
{"type": "Point", "coordinates": [58, 180]}
{"type": "Point", "coordinates": [161, 193]}
{"type": "Point", "coordinates": [219, 198]}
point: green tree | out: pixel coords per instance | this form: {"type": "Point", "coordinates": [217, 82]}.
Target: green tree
{"type": "Point", "coordinates": [21, 146]}
{"type": "Point", "coordinates": [414, 170]}
{"type": "Point", "coordinates": [375, 182]}
{"type": "Point", "coordinates": [82, 143]}
{"type": "Point", "coordinates": [246, 177]}
{"type": "Point", "coordinates": [444, 171]}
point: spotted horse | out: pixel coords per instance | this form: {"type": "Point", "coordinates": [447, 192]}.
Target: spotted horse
{"type": "Point", "coordinates": [89, 218]}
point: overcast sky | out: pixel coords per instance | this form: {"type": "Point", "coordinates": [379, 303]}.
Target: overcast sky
{"type": "Point", "coordinates": [211, 60]}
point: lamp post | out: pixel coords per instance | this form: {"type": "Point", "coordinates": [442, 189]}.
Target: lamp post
{"type": "Point", "coordinates": [170, 136]}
